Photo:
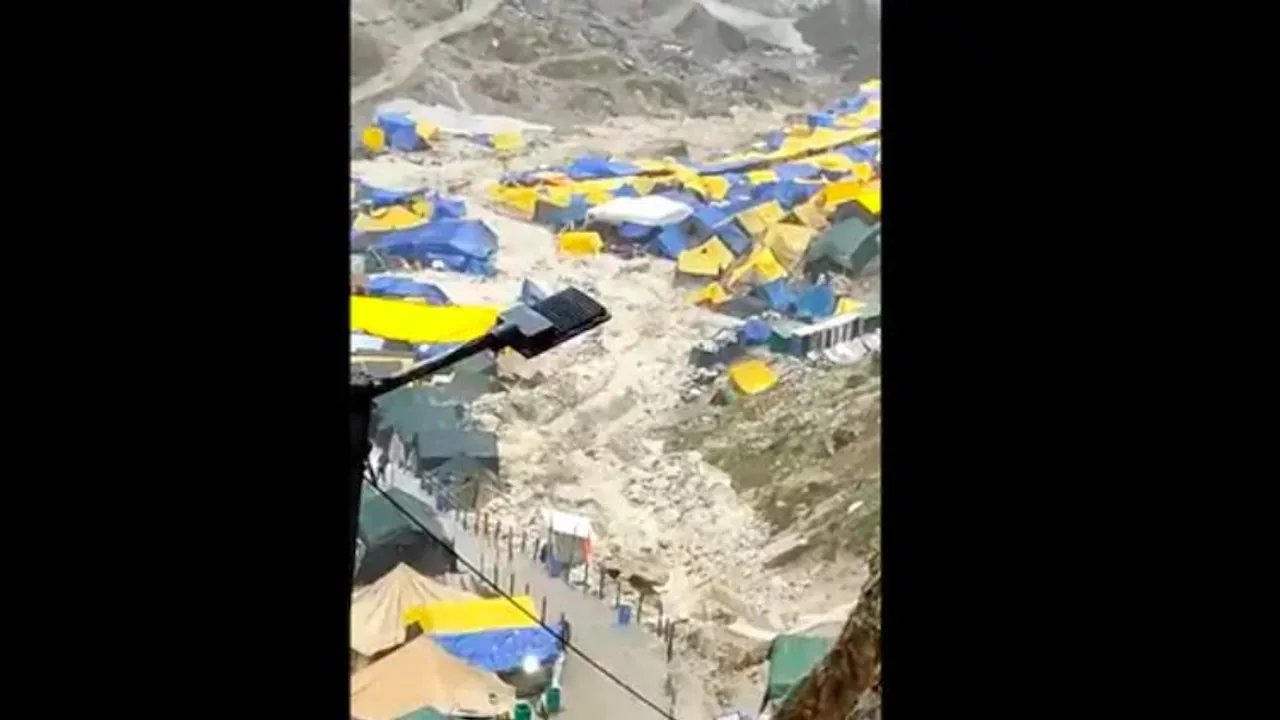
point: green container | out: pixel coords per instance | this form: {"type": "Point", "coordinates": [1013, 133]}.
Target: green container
{"type": "Point", "coordinates": [552, 699]}
{"type": "Point", "coordinates": [522, 711]}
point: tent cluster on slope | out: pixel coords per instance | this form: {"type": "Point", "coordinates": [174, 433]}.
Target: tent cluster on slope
{"type": "Point", "coordinates": [763, 230]}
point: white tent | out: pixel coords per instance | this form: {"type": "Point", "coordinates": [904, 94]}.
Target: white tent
{"type": "Point", "coordinates": [570, 537]}
{"type": "Point", "coordinates": [650, 211]}
{"type": "Point", "coordinates": [421, 674]}
{"type": "Point", "coordinates": [377, 610]}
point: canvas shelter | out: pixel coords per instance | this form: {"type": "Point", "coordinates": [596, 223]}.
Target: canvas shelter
{"type": "Point", "coordinates": [851, 247]}
{"type": "Point", "coordinates": [378, 611]}
{"type": "Point", "coordinates": [390, 538]}
{"type": "Point", "coordinates": [421, 674]}
{"type": "Point", "coordinates": [570, 537]}
{"type": "Point", "coordinates": [790, 659]}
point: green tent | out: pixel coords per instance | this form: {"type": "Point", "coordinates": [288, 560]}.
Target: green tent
{"type": "Point", "coordinates": [851, 246]}
{"type": "Point", "coordinates": [791, 657]}
{"type": "Point", "coordinates": [389, 537]}
{"type": "Point", "coordinates": [413, 412]}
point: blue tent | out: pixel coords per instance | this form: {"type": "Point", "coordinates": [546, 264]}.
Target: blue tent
{"type": "Point", "coordinates": [626, 191]}
{"type": "Point", "coordinates": [778, 294]}
{"type": "Point", "coordinates": [589, 167]}
{"type": "Point", "coordinates": [381, 197]}
{"type": "Point", "coordinates": [821, 119]}
{"type": "Point", "coordinates": [501, 650]}
{"type": "Point", "coordinates": [851, 104]}
{"type": "Point", "coordinates": [775, 140]}
{"type": "Point", "coordinates": [755, 332]}
{"type": "Point", "coordinates": [401, 131]}
{"type": "Point", "coordinates": [447, 207]}
{"type": "Point", "coordinates": [682, 196]}
{"type": "Point", "coordinates": [632, 231]}
{"type": "Point", "coordinates": [816, 303]}
{"type": "Point", "coordinates": [557, 217]}
{"type": "Point", "coordinates": [531, 293]}
{"type": "Point", "coordinates": [389, 285]}
{"type": "Point", "coordinates": [670, 242]}
{"type": "Point", "coordinates": [733, 236]}
{"type": "Point", "coordinates": [787, 172]}
{"type": "Point", "coordinates": [429, 350]}
{"type": "Point", "coordinates": [866, 152]}
{"type": "Point", "coordinates": [462, 245]}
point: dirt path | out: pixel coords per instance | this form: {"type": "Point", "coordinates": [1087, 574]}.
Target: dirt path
{"type": "Point", "coordinates": [403, 64]}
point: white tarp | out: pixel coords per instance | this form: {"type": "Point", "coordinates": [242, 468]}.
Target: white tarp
{"type": "Point", "coordinates": [650, 211]}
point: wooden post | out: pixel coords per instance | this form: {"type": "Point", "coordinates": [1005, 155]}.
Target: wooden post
{"type": "Point", "coordinates": [497, 531]}
{"type": "Point", "coordinates": [524, 537]}
{"type": "Point", "coordinates": [639, 608]}
{"type": "Point", "coordinates": [486, 525]}
{"type": "Point", "coordinates": [526, 588]}
{"type": "Point", "coordinates": [481, 565]}
{"type": "Point", "coordinates": [660, 614]}
{"type": "Point", "coordinates": [671, 637]}
{"type": "Point", "coordinates": [602, 574]}
{"type": "Point", "coordinates": [511, 545]}
{"type": "Point", "coordinates": [511, 587]}
{"type": "Point", "coordinates": [617, 600]}
{"type": "Point", "coordinates": [544, 609]}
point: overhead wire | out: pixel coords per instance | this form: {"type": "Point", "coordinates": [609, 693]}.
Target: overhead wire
{"type": "Point", "coordinates": [502, 593]}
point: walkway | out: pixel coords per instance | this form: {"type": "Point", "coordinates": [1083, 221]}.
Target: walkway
{"type": "Point", "coordinates": [633, 654]}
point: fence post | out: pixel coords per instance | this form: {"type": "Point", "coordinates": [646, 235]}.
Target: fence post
{"type": "Point", "coordinates": [497, 531]}
{"type": "Point", "coordinates": [511, 544]}
{"type": "Point", "coordinates": [526, 588]}
{"type": "Point", "coordinates": [671, 636]}
{"type": "Point", "coordinates": [640, 609]}
{"type": "Point", "coordinates": [485, 532]}
{"type": "Point", "coordinates": [660, 614]}
{"type": "Point", "coordinates": [600, 593]}
{"type": "Point", "coordinates": [544, 609]}
{"type": "Point", "coordinates": [481, 565]}
{"type": "Point", "coordinates": [617, 600]}
{"type": "Point", "coordinates": [511, 587]}
{"type": "Point", "coordinates": [524, 536]}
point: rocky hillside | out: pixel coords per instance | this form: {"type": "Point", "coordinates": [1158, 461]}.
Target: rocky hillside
{"type": "Point", "coordinates": [575, 61]}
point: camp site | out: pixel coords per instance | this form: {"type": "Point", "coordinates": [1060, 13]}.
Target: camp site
{"type": "Point", "coordinates": [662, 497]}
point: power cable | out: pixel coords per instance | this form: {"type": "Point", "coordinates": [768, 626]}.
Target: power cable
{"type": "Point", "coordinates": [463, 561]}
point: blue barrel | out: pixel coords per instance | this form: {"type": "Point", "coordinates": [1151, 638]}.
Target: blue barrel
{"type": "Point", "coordinates": [624, 614]}
{"type": "Point", "coordinates": [554, 567]}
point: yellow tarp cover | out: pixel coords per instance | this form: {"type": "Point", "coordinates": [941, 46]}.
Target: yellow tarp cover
{"type": "Point", "coordinates": [707, 260]}
{"type": "Point", "coordinates": [392, 217]}
{"type": "Point", "coordinates": [715, 186]}
{"type": "Point", "coordinates": [580, 243]}
{"type": "Point", "coordinates": [421, 674]}
{"type": "Point", "coordinates": [840, 191]}
{"type": "Point", "coordinates": [757, 220]}
{"type": "Point", "coordinates": [521, 201]}
{"type": "Point", "coordinates": [845, 305]}
{"type": "Point", "coordinates": [760, 177]}
{"type": "Point", "coordinates": [809, 214]}
{"type": "Point", "coordinates": [789, 243]}
{"type": "Point", "coordinates": [378, 610]}
{"type": "Point", "coordinates": [373, 138]}
{"type": "Point", "coordinates": [869, 197]}
{"type": "Point", "coordinates": [419, 323]}
{"type": "Point", "coordinates": [644, 184]}
{"type": "Point", "coordinates": [759, 267]}
{"type": "Point", "coordinates": [558, 195]}
{"type": "Point", "coordinates": [508, 142]}
{"type": "Point", "coordinates": [427, 131]}
{"type": "Point", "coordinates": [835, 162]}
{"type": "Point", "coordinates": [870, 86]}
{"type": "Point", "coordinates": [469, 616]}
{"type": "Point", "coordinates": [752, 377]}
{"type": "Point", "coordinates": [712, 294]}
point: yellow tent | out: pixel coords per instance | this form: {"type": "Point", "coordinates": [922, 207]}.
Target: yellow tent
{"type": "Point", "coordinates": [393, 217]}
{"type": "Point", "coordinates": [846, 305]}
{"type": "Point", "coordinates": [752, 377]}
{"type": "Point", "coordinates": [810, 214]}
{"type": "Point", "coordinates": [712, 294]}
{"type": "Point", "coordinates": [759, 267]}
{"type": "Point", "coordinates": [707, 260]}
{"type": "Point", "coordinates": [789, 243]}
{"type": "Point", "coordinates": [519, 201]}
{"type": "Point", "coordinates": [373, 139]}
{"type": "Point", "coordinates": [761, 177]}
{"type": "Point", "coordinates": [869, 197]}
{"type": "Point", "coordinates": [427, 131]}
{"type": "Point", "coordinates": [418, 323]}
{"type": "Point", "coordinates": [508, 142]}
{"type": "Point", "coordinates": [580, 243]}
{"type": "Point", "coordinates": [757, 220]}
{"type": "Point", "coordinates": [456, 617]}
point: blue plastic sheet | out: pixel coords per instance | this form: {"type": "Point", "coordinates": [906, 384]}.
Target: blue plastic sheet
{"type": "Point", "coordinates": [632, 231]}
{"type": "Point", "coordinates": [501, 650]}
{"type": "Point", "coordinates": [670, 242]}
{"type": "Point", "coordinates": [778, 294]}
{"type": "Point", "coordinates": [755, 332]}
{"type": "Point", "coordinates": [590, 167]}
{"type": "Point", "coordinates": [816, 303]}
{"type": "Point", "coordinates": [391, 286]}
